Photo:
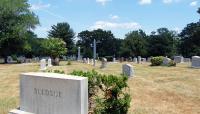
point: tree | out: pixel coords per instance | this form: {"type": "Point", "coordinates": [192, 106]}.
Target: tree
{"type": "Point", "coordinates": [54, 47]}
{"type": "Point", "coordinates": [190, 40]}
{"type": "Point", "coordinates": [64, 32]}
{"type": "Point", "coordinates": [107, 44]}
{"type": "Point", "coordinates": [162, 43]}
{"type": "Point", "coordinates": [198, 11]}
{"type": "Point", "coordinates": [134, 44]}
{"type": "Point", "coordinates": [15, 21]}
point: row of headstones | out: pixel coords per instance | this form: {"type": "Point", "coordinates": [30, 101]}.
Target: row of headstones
{"type": "Point", "coordinates": [22, 59]}
{"type": "Point", "coordinates": [44, 64]}
{"type": "Point", "coordinates": [195, 62]}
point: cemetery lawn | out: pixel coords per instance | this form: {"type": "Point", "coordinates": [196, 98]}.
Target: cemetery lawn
{"type": "Point", "coordinates": [154, 90]}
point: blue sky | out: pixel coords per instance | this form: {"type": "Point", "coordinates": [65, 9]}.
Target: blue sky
{"type": "Point", "coordinates": [119, 16]}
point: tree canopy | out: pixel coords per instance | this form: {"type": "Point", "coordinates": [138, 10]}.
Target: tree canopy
{"type": "Point", "coordinates": [16, 20]}
{"type": "Point", "coordinates": [64, 32]}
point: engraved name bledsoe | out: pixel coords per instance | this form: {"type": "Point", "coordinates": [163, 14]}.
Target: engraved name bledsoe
{"type": "Point", "coordinates": [47, 92]}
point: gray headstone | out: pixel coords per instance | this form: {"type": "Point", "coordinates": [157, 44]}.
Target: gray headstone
{"type": "Point", "coordinates": [114, 59]}
{"type": "Point", "coordinates": [178, 59]}
{"type": "Point", "coordinates": [135, 60]}
{"type": "Point", "coordinates": [103, 63]}
{"type": "Point", "coordinates": [50, 93]}
{"type": "Point", "coordinates": [187, 60]}
{"type": "Point", "coordinates": [139, 59]}
{"type": "Point", "coordinates": [88, 60]}
{"type": "Point", "coordinates": [149, 59]}
{"type": "Point", "coordinates": [196, 62]}
{"type": "Point", "coordinates": [127, 69]}
{"type": "Point", "coordinates": [166, 61]}
{"type": "Point", "coordinates": [9, 59]}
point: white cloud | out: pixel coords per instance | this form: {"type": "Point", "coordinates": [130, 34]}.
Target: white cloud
{"type": "Point", "coordinates": [111, 25]}
{"type": "Point", "coordinates": [144, 2]}
{"type": "Point", "coordinates": [103, 2]}
{"type": "Point", "coordinates": [167, 1]}
{"type": "Point", "coordinates": [39, 6]}
{"type": "Point", "coordinates": [177, 29]}
{"type": "Point", "coordinates": [114, 17]}
{"type": "Point", "coordinates": [194, 3]}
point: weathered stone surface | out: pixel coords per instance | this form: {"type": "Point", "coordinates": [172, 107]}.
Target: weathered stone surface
{"type": "Point", "coordinates": [103, 63]}
{"type": "Point", "coordinates": [196, 62]}
{"type": "Point", "coordinates": [187, 60]}
{"type": "Point", "coordinates": [178, 59]}
{"type": "Point", "coordinates": [43, 64]}
{"type": "Point", "coordinates": [88, 60]}
{"type": "Point", "coordinates": [139, 59]}
{"type": "Point", "coordinates": [49, 62]}
{"type": "Point", "coordinates": [127, 70]}
{"type": "Point", "coordinates": [166, 61]}
{"type": "Point", "coordinates": [135, 60]}
{"type": "Point", "coordinates": [50, 93]}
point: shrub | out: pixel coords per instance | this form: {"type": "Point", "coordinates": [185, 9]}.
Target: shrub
{"type": "Point", "coordinates": [157, 61]}
{"type": "Point", "coordinates": [106, 93]}
{"type": "Point", "coordinates": [172, 63]}
{"type": "Point", "coordinates": [57, 71]}
{"type": "Point", "coordinates": [109, 58]}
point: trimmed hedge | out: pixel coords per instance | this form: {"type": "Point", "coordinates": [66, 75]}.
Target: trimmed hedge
{"type": "Point", "coordinates": [157, 61]}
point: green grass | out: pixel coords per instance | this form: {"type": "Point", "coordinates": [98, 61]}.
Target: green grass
{"type": "Point", "coordinates": [154, 90]}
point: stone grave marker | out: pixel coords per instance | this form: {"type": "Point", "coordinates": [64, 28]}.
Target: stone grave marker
{"type": "Point", "coordinates": [43, 64]}
{"type": "Point", "coordinates": [139, 59]}
{"type": "Point", "coordinates": [196, 61]}
{"type": "Point", "coordinates": [9, 59]}
{"type": "Point", "coordinates": [127, 70]}
{"type": "Point", "coordinates": [178, 59]}
{"type": "Point", "coordinates": [88, 60]}
{"type": "Point", "coordinates": [166, 61]}
{"type": "Point", "coordinates": [103, 63]}
{"type": "Point", "coordinates": [49, 62]}
{"type": "Point", "coordinates": [51, 93]}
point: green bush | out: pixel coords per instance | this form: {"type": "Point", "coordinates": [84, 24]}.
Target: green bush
{"type": "Point", "coordinates": [109, 58]}
{"type": "Point", "coordinates": [172, 63]}
{"type": "Point", "coordinates": [106, 92]}
{"type": "Point", "coordinates": [56, 71]}
{"type": "Point", "coordinates": [157, 61]}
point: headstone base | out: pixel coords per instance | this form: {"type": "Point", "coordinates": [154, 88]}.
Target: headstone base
{"type": "Point", "coordinates": [16, 111]}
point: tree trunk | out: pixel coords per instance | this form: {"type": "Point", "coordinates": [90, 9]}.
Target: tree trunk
{"type": "Point", "coordinates": [55, 61]}
{"type": "Point", "coordinates": [5, 60]}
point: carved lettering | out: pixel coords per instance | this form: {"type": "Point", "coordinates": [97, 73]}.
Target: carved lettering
{"type": "Point", "coordinates": [47, 92]}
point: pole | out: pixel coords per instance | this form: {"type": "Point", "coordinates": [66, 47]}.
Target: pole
{"type": "Point", "coordinates": [94, 52]}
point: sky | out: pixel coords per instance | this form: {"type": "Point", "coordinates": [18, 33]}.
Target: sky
{"type": "Point", "coordinates": [119, 16]}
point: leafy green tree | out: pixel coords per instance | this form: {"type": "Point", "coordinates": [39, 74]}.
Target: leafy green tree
{"type": "Point", "coordinates": [190, 40]}
{"type": "Point", "coordinates": [162, 43]}
{"type": "Point", "coordinates": [54, 47]}
{"type": "Point", "coordinates": [107, 44]}
{"type": "Point", "coordinates": [198, 11]}
{"type": "Point", "coordinates": [15, 21]}
{"type": "Point", "coordinates": [134, 44]}
{"type": "Point", "coordinates": [64, 32]}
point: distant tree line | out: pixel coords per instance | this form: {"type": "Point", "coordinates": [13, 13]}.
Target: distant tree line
{"type": "Point", "coordinates": [17, 22]}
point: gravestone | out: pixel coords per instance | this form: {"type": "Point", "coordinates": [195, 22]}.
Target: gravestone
{"type": "Point", "coordinates": [178, 59]}
{"type": "Point", "coordinates": [84, 60]}
{"type": "Point", "coordinates": [114, 59]}
{"type": "Point", "coordinates": [122, 59]}
{"type": "Point", "coordinates": [51, 93]}
{"type": "Point", "coordinates": [88, 60]}
{"type": "Point", "coordinates": [92, 61]}
{"type": "Point", "coordinates": [149, 59]}
{"type": "Point", "coordinates": [127, 70]}
{"type": "Point", "coordinates": [43, 64]}
{"type": "Point", "coordinates": [49, 62]}
{"type": "Point", "coordinates": [135, 60]}
{"type": "Point", "coordinates": [16, 111]}
{"type": "Point", "coordinates": [196, 62]}
{"type": "Point", "coordinates": [9, 59]}
{"type": "Point", "coordinates": [166, 61]}
{"type": "Point", "coordinates": [21, 59]}
{"type": "Point", "coordinates": [36, 59]}
{"type": "Point", "coordinates": [187, 60]}
{"type": "Point", "coordinates": [143, 59]}
{"type": "Point", "coordinates": [103, 63]}
{"type": "Point", "coordinates": [139, 59]}
{"type": "Point", "coordinates": [28, 60]}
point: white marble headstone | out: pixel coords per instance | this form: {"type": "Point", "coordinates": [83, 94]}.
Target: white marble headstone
{"type": "Point", "coordinates": [43, 64]}
{"type": "Point", "coordinates": [49, 62]}
{"type": "Point", "coordinates": [196, 61]}
{"type": "Point", "coordinates": [127, 70]}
